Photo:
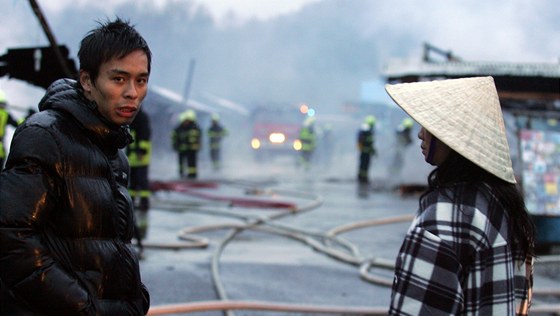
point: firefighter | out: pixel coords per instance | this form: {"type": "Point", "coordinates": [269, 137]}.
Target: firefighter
{"type": "Point", "coordinates": [5, 120]}
{"type": "Point", "coordinates": [366, 146]}
{"type": "Point", "coordinates": [186, 142]}
{"type": "Point", "coordinates": [403, 139]}
{"type": "Point", "coordinates": [308, 141]}
{"type": "Point", "coordinates": [139, 154]}
{"type": "Point", "coordinates": [215, 134]}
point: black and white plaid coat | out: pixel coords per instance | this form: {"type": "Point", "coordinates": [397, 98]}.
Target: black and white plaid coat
{"type": "Point", "coordinates": [457, 259]}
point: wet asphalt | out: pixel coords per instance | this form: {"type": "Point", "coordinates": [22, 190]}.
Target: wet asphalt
{"type": "Point", "coordinates": [244, 247]}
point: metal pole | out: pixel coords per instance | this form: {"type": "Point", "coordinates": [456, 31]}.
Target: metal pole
{"type": "Point", "coordinates": [188, 84]}
{"type": "Point", "coordinates": [50, 36]}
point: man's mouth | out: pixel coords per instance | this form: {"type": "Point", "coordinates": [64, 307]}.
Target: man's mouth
{"type": "Point", "coordinates": [127, 111]}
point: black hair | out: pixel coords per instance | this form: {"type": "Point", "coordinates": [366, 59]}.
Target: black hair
{"type": "Point", "coordinates": [110, 39]}
{"type": "Point", "coordinates": [458, 169]}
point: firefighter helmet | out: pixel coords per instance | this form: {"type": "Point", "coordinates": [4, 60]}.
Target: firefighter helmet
{"type": "Point", "coordinates": [309, 121]}
{"type": "Point", "coordinates": [408, 122]}
{"type": "Point", "coordinates": [188, 115]}
{"type": "Point", "coordinates": [370, 120]}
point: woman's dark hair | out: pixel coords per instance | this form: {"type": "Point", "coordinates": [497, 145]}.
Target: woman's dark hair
{"type": "Point", "coordinates": [110, 39]}
{"type": "Point", "coordinates": [457, 169]}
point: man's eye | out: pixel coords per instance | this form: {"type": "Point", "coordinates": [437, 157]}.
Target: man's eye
{"type": "Point", "coordinates": [118, 79]}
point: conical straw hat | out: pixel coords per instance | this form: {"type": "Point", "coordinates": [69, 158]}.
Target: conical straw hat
{"type": "Point", "coordinates": [463, 113]}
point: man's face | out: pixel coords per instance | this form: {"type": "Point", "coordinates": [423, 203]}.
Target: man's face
{"type": "Point", "coordinates": [119, 88]}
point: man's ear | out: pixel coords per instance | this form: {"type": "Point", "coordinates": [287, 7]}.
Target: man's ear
{"type": "Point", "coordinates": [85, 81]}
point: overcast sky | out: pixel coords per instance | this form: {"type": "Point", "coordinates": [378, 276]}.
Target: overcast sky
{"type": "Point", "coordinates": [220, 9]}
{"type": "Point", "coordinates": [243, 9]}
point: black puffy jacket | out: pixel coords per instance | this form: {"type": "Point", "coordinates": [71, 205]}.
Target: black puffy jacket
{"type": "Point", "coordinates": [66, 218]}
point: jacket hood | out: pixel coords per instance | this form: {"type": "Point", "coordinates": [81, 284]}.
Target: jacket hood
{"type": "Point", "coordinates": [65, 95]}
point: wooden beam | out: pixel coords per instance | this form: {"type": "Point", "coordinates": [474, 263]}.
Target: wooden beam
{"type": "Point", "coordinates": [51, 38]}
{"type": "Point", "coordinates": [513, 95]}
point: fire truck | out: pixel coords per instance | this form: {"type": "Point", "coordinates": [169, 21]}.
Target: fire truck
{"type": "Point", "coordinates": [275, 132]}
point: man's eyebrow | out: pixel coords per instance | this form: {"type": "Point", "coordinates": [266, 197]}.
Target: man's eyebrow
{"type": "Point", "coordinates": [118, 71]}
{"type": "Point", "coordinates": [124, 72]}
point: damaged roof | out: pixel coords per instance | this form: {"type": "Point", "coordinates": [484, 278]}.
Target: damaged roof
{"type": "Point", "coordinates": [409, 68]}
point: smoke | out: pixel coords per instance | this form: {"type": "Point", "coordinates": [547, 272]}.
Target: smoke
{"type": "Point", "coordinates": [319, 55]}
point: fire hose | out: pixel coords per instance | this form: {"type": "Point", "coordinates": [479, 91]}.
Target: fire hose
{"type": "Point", "coordinates": [265, 223]}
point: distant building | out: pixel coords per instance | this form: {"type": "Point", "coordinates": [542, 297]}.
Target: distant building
{"type": "Point", "coordinates": [519, 85]}
{"type": "Point", "coordinates": [530, 98]}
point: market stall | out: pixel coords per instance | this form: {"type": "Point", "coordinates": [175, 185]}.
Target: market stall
{"type": "Point", "coordinates": [530, 98]}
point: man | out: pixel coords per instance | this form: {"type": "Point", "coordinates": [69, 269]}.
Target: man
{"type": "Point", "coordinates": [139, 153]}
{"type": "Point", "coordinates": [404, 130]}
{"type": "Point", "coordinates": [66, 218]}
{"type": "Point", "coordinates": [308, 141]}
{"type": "Point", "coordinates": [5, 120]}
{"type": "Point", "coordinates": [186, 142]}
{"type": "Point", "coordinates": [366, 146]}
{"type": "Point", "coordinates": [403, 135]}
{"type": "Point", "coordinates": [216, 132]}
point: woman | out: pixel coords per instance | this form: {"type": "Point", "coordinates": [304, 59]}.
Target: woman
{"type": "Point", "coordinates": [469, 250]}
